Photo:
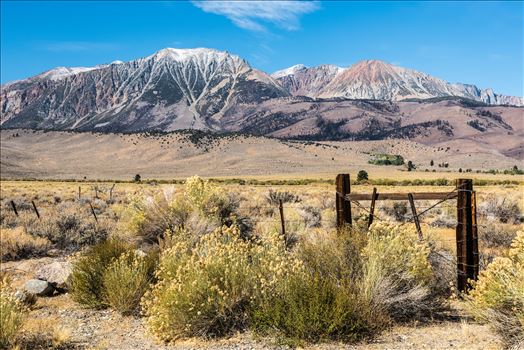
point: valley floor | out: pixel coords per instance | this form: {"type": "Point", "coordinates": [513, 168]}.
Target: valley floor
{"type": "Point", "coordinates": [62, 155]}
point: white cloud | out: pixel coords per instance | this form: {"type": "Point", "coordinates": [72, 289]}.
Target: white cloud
{"type": "Point", "coordinates": [250, 14]}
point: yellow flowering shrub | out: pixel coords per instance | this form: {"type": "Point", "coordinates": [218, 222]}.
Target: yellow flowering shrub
{"type": "Point", "coordinates": [397, 251]}
{"type": "Point", "coordinates": [208, 288]}
{"type": "Point", "coordinates": [497, 297]}
{"type": "Point", "coordinates": [12, 314]}
{"type": "Point", "coordinates": [200, 206]}
{"type": "Point", "coordinates": [396, 273]}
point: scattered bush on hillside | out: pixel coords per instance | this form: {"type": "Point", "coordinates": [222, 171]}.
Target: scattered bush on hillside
{"type": "Point", "coordinates": [362, 176]}
{"type": "Point", "coordinates": [497, 298]}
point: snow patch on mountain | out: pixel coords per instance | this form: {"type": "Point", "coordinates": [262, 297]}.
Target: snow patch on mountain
{"type": "Point", "coordinates": [64, 72]}
{"type": "Point", "coordinates": [288, 71]}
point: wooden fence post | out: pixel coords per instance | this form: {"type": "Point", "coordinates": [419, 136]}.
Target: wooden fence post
{"type": "Point", "coordinates": [343, 206]}
{"type": "Point", "coordinates": [372, 208]}
{"type": "Point", "coordinates": [282, 221]}
{"type": "Point", "coordinates": [93, 212]}
{"type": "Point", "coordinates": [475, 236]}
{"type": "Point", "coordinates": [466, 249]}
{"type": "Point", "coordinates": [415, 216]}
{"type": "Point", "coordinates": [36, 210]}
{"type": "Point", "coordinates": [111, 192]}
{"type": "Point", "coordinates": [13, 205]}
{"type": "Point", "coordinates": [79, 193]}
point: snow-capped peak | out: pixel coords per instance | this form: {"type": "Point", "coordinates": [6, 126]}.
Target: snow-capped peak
{"type": "Point", "coordinates": [182, 55]}
{"type": "Point", "coordinates": [63, 72]}
{"type": "Point", "coordinates": [288, 71]}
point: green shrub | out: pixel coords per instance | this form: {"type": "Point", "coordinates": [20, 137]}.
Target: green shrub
{"type": "Point", "coordinates": [352, 285]}
{"type": "Point", "coordinates": [312, 308]}
{"type": "Point", "coordinates": [87, 278]}
{"type": "Point", "coordinates": [497, 298]}
{"type": "Point", "coordinates": [320, 301]}
{"type": "Point", "coordinates": [127, 279]}
{"type": "Point", "coordinates": [386, 159]}
{"type": "Point", "coordinates": [12, 314]}
{"type": "Point", "coordinates": [362, 176]}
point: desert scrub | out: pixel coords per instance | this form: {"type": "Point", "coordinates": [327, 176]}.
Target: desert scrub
{"type": "Point", "coordinates": [208, 288]}
{"type": "Point", "coordinates": [319, 301]}
{"type": "Point", "coordinates": [68, 226]}
{"type": "Point", "coordinates": [497, 297]}
{"type": "Point", "coordinates": [87, 278]}
{"type": "Point", "coordinates": [504, 210]}
{"type": "Point", "coordinates": [12, 314]}
{"type": "Point", "coordinates": [126, 280]}
{"type": "Point", "coordinates": [397, 275]}
{"type": "Point", "coordinates": [200, 206]}
{"type": "Point", "coordinates": [17, 244]}
{"type": "Point", "coordinates": [497, 235]}
{"type": "Point", "coordinates": [352, 285]}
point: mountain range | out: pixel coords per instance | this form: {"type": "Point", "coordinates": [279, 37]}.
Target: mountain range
{"type": "Point", "coordinates": [216, 91]}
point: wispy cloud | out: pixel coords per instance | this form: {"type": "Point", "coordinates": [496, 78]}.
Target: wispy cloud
{"type": "Point", "coordinates": [252, 15]}
{"type": "Point", "coordinates": [77, 46]}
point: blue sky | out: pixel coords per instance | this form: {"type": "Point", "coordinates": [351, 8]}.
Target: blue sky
{"type": "Point", "coordinates": [470, 42]}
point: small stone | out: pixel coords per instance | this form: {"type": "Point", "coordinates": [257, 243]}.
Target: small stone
{"type": "Point", "coordinates": [39, 287]}
{"type": "Point", "coordinates": [56, 273]}
{"type": "Point", "coordinates": [53, 252]}
{"type": "Point", "coordinates": [140, 253]}
{"type": "Point", "coordinates": [25, 297]}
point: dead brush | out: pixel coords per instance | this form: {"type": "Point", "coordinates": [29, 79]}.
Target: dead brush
{"type": "Point", "coordinates": [275, 197]}
{"type": "Point", "coordinates": [18, 244]}
{"type": "Point", "coordinates": [505, 210]}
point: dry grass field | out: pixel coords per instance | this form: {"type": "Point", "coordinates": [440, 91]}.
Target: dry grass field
{"type": "Point", "coordinates": [60, 322]}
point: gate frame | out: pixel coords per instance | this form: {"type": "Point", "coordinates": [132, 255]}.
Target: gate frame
{"type": "Point", "coordinates": [466, 229]}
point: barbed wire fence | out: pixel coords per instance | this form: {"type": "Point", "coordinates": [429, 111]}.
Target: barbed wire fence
{"type": "Point", "coordinates": [467, 249]}
{"type": "Point", "coordinates": [423, 206]}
